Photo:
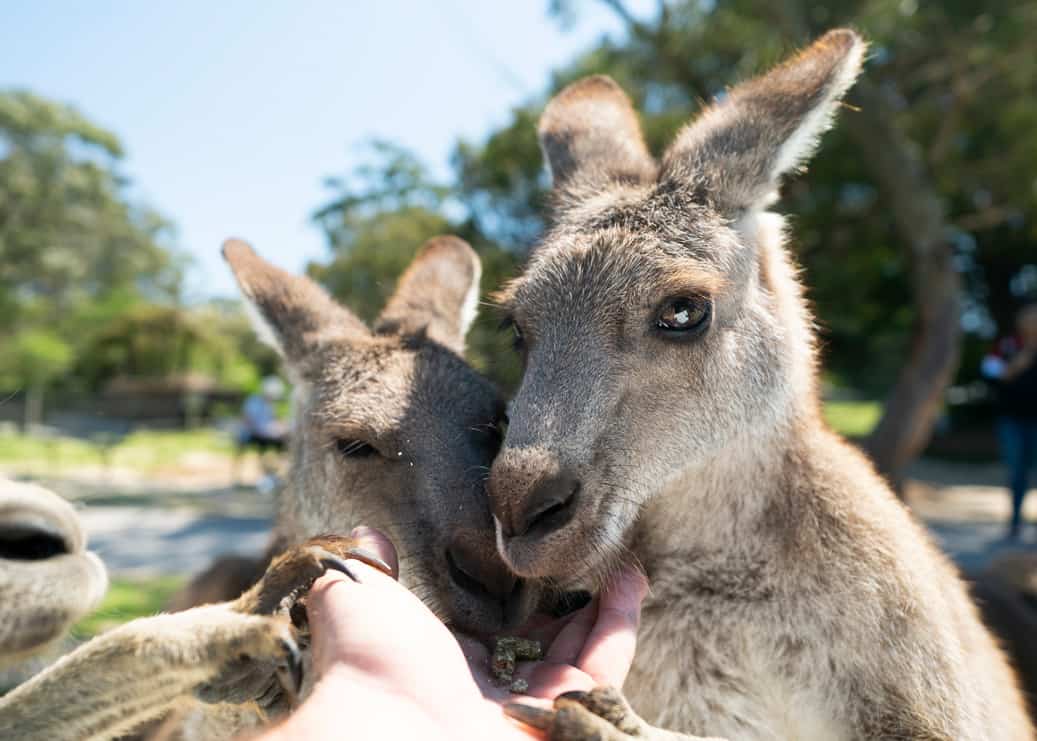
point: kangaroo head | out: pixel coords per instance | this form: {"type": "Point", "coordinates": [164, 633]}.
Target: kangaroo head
{"type": "Point", "coordinates": [48, 579]}
{"type": "Point", "coordinates": [392, 428]}
{"type": "Point", "coordinates": [659, 319]}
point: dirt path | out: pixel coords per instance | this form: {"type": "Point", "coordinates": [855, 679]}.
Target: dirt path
{"type": "Point", "coordinates": [147, 541]}
{"type": "Point", "coordinates": [167, 523]}
{"type": "Point", "coordinates": [967, 508]}
{"type": "Point", "coordinates": [177, 523]}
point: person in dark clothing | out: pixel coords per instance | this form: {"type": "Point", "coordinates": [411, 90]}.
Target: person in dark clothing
{"type": "Point", "coordinates": [1013, 369]}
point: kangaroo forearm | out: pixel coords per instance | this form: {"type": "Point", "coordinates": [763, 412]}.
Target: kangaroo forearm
{"type": "Point", "coordinates": [131, 675]}
{"type": "Point", "coordinates": [97, 692]}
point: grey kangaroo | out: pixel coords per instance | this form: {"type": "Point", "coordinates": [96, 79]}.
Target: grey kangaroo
{"type": "Point", "coordinates": [669, 413]}
{"type": "Point", "coordinates": [392, 429]}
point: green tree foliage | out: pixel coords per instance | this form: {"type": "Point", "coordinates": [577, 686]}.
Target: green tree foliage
{"type": "Point", "coordinates": [156, 341]}
{"type": "Point", "coordinates": [68, 234]}
{"type": "Point", "coordinates": [376, 221]}
{"type": "Point", "coordinates": [75, 253]}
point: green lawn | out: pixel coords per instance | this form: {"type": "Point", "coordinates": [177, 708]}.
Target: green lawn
{"type": "Point", "coordinates": [128, 599]}
{"type": "Point", "coordinates": [852, 418]}
{"type": "Point", "coordinates": [145, 450]}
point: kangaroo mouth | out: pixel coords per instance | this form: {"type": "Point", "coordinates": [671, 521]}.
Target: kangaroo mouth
{"type": "Point", "coordinates": [31, 538]}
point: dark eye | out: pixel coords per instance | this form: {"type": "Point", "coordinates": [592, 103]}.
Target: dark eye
{"type": "Point", "coordinates": [500, 429]}
{"type": "Point", "coordinates": [354, 449]}
{"type": "Point", "coordinates": [518, 341]}
{"type": "Point", "coordinates": [684, 316]}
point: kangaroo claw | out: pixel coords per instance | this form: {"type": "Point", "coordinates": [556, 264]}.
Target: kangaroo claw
{"type": "Point", "coordinates": [289, 674]}
{"type": "Point", "coordinates": [530, 715]}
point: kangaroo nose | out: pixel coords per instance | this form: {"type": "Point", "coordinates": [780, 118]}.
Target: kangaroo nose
{"type": "Point", "coordinates": [479, 574]}
{"type": "Point", "coordinates": [548, 507]}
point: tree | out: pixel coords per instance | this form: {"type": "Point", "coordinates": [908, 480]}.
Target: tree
{"type": "Point", "coordinates": [67, 231]}
{"type": "Point", "coordinates": [75, 253]}
{"type": "Point", "coordinates": [33, 359]}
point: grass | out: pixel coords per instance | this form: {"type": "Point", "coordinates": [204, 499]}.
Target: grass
{"type": "Point", "coordinates": [145, 450]}
{"type": "Point", "coordinates": [852, 418]}
{"type": "Point", "coordinates": [128, 599]}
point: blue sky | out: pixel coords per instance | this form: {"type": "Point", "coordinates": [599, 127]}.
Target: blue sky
{"type": "Point", "coordinates": [232, 112]}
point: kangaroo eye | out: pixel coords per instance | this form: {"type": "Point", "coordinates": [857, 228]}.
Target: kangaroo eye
{"type": "Point", "coordinates": [355, 449]}
{"type": "Point", "coordinates": [681, 316]}
{"type": "Point", "coordinates": [518, 341]}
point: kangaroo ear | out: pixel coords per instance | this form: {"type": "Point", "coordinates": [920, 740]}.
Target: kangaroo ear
{"type": "Point", "coordinates": [734, 154]}
{"type": "Point", "coordinates": [289, 312]}
{"type": "Point", "coordinates": [590, 136]}
{"type": "Point", "coordinates": [437, 294]}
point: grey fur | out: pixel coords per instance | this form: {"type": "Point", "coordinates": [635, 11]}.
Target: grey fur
{"type": "Point", "coordinates": [793, 596]}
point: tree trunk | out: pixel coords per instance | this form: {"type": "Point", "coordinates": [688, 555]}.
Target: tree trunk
{"type": "Point", "coordinates": [913, 405]}
{"type": "Point", "coordinates": [33, 408]}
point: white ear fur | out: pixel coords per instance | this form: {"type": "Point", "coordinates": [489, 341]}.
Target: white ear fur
{"type": "Point", "coordinates": [735, 153]}
{"type": "Point", "coordinates": [798, 148]}
{"type": "Point", "coordinates": [262, 328]}
{"type": "Point", "coordinates": [470, 307]}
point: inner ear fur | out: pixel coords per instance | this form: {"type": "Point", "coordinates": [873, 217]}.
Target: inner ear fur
{"type": "Point", "coordinates": [734, 154]}
{"type": "Point", "coordinates": [590, 135]}
{"type": "Point", "coordinates": [290, 312]}
{"type": "Point", "coordinates": [437, 296]}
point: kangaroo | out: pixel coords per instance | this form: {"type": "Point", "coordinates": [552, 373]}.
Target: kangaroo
{"type": "Point", "coordinates": [669, 413]}
{"type": "Point", "coordinates": [392, 429]}
{"type": "Point", "coordinates": [48, 579]}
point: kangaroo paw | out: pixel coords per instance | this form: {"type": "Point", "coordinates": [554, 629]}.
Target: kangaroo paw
{"type": "Point", "coordinates": [139, 671]}
{"type": "Point", "coordinates": [602, 714]}
{"type": "Point", "coordinates": [268, 673]}
{"type": "Point", "coordinates": [275, 682]}
{"type": "Point", "coordinates": [291, 574]}
{"type": "Point", "coordinates": [234, 652]}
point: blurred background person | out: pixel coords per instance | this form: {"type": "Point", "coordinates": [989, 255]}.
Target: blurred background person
{"type": "Point", "coordinates": [262, 430]}
{"type": "Point", "coordinates": [1012, 366]}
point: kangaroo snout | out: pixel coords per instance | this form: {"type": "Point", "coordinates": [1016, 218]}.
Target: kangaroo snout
{"type": "Point", "coordinates": [533, 496]}
{"type": "Point", "coordinates": [478, 572]}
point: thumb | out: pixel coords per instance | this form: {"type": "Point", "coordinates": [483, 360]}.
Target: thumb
{"type": "Point", "coordinates": [378, 543]}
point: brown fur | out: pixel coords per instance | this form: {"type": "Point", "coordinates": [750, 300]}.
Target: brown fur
{"type": "Point", "coordinates": [793, 596]}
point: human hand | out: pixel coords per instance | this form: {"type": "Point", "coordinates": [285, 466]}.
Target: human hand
{"type": "Point", "coordinates": [387, 667]}
{"type": "Point", "coordinates": [593, 646]}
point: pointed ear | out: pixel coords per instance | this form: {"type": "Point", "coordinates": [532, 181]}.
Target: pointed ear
{"type": "Point", "coordinates": [590, 136]}
{"type": "Point", "coordinates": [437, 294]}
{"type": "Point", "coordinates": [735, 153]}
{"type": "Point", "coordinates": [289, 312]}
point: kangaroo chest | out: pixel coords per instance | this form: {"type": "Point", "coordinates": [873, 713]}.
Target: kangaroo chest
{"type": "Point", "coordinates": [710, 666]}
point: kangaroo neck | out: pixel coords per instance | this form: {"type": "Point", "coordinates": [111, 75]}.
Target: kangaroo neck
{"type": "Point", "coordinates": [721, 505]}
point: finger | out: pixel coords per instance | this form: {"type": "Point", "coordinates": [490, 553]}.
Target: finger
{"type": "Point", "coordinates": [609, 649]}
{"type": "Point", "coordinates": [568, 644]}
{"type": "Point", "coordinates": [548, 680]}
{"type": "Point", "coordinates": [378, 544]}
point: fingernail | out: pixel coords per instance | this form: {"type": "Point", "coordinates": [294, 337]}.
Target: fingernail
{"type": "Point", "coordinates": [361, 531]}
{"type": "Point", "coordinates": [532, 716]}
{"type": "Point", "coordinates": [337, 564]}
